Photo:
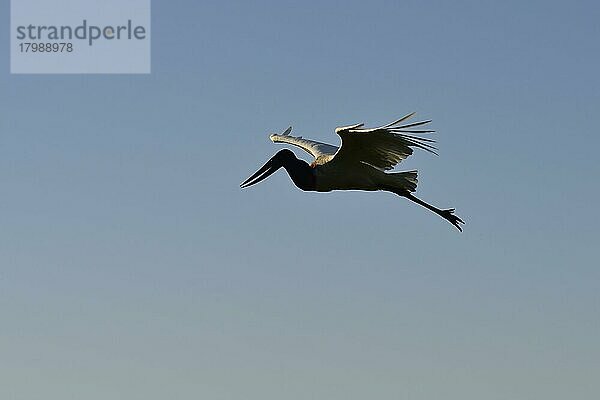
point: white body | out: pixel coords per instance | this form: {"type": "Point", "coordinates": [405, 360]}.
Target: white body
{"type": "Point", "coordinates": [338, 176]}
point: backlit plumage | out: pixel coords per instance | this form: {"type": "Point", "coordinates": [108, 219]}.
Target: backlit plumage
{"type": "Point", "coordinates": [359, 163]}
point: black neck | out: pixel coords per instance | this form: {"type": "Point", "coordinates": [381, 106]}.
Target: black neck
{"type": "Point", "coordinates": [301, 173]}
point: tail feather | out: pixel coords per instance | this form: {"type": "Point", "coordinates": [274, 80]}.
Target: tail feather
{"type": "Point", "coordinates": [403, 180]}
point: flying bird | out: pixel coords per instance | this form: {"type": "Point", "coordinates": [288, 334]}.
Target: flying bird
{"type": "Point", "coordinates": [358, 164]}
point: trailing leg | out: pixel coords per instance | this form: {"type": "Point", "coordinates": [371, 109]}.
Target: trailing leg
{"type": "Point", "coordinates": [447, 214]}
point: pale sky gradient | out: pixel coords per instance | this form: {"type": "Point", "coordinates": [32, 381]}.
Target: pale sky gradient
{"type": "Point", "coordinates": [133, 266]}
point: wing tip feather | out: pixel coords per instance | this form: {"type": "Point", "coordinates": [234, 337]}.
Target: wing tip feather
{"type": "Point", "coordinates": [275, 136]}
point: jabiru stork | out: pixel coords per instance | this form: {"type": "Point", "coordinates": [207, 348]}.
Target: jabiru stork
{"type": "Point", "coordinates": [358, 164]}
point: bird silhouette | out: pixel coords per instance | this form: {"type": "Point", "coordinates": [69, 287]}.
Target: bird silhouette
{"type": "Point", "coordinates": [358, 164]}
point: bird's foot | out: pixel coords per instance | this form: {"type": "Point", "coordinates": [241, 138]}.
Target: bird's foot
{"type": "Point", "coordinates": [453, 219]}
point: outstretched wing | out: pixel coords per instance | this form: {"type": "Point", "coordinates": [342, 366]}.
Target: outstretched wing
{"type": "Point", "coordinates": [316, 149]}
{"type": "Point", "coordinates": [383, 147]}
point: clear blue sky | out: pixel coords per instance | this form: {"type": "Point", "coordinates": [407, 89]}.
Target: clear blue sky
{"type": "Point", "coordinates": [133, 266]}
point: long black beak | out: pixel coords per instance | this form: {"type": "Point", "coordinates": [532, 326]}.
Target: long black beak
{"type": "Point", "coordinates": [263, 173]}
